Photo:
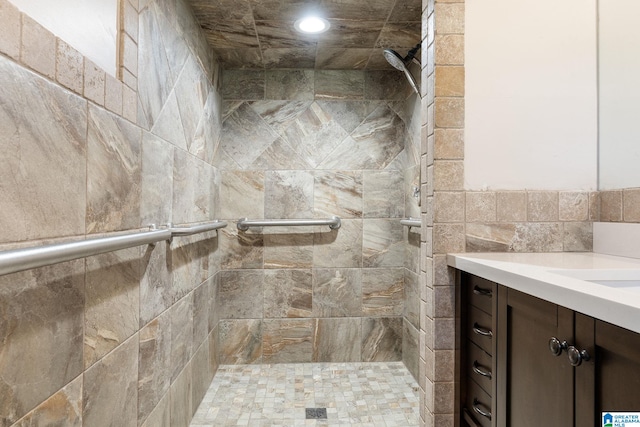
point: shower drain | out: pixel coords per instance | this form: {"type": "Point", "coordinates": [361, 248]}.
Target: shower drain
{"type": "Point", "coordinates": [316, 413]}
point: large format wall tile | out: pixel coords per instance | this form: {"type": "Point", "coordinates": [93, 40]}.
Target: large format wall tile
{"type": "Point", "coordinates": [43, 136]}
{"type": "Point", "coordinates": [242, 195]}
{"type": "Point", "coordinates": [63, 409]}
{"type": "Point", "coordinates": [288, 194]}
{"type": "Point", "coordinates": [113, 173]}
{"type": "Point", "coordinates": [279, 115]}
{"type": "Point", "coordinates": [338, 340]}
{"type": "Point", "coordinates": [112, 302]}
{"type": "Point", "coordinates": [241, 294]}
{"type": "Point", "coordinates": [288, 250]}
{"type": "Point", "coordinates": [181, 335]}
{"type": "Point", "coordinates": [41, 314]}
{"type": "Point", "coordinates": [383, 195]}
{"type": "Point", "coordinates": [156, 282]}
{"type": "Point", "coordinates": [154, 365]}
{"type": "Point", "coordinates": [382, 339]}
{"type": "Point", "coordinates": [339, 248]}
{"type": "Point", "coordinates": [240, 249]}
{"type": "Point", "coordinates": [180, 398]}
{"type": "Point", "coordinates": [287, 340]}
{"type": "Point", "coordinates": [111, 388]}
{"type": "Point", "coordinates": [338, 193]}
{"type": "Point", "coordinates": [383, 291]}
{"type": "Point", "coordinates": [288, 293]}
{"type": "Point", "coordinates": [240, 341]}
{"type": "Point", "coordinates": [156, 184]}
{"type": "Point", "coordinates": [337, 292]}
{"type": "Point", "coordinates": [383, 243]}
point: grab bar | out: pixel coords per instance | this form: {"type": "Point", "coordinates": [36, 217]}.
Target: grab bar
{"type": "Point", "coordinates": [244, 223]}
{"type": "Point", "coordinates": [16, 260]}
{"type": "Point", "coordinates": [195, 229]}
{"type": "Point", "coordinates": [410, 222]}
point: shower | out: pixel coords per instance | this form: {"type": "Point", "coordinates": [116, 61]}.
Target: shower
{"type": "Point", "coordinates": [402, 64]}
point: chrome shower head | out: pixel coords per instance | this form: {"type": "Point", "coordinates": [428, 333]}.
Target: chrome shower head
{"type": "Point", "coordinates": [402, 64]}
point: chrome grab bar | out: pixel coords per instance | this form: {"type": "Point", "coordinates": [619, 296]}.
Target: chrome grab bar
{"type": "Point", "coordinates": [195, 229]}
{"type": "Point", "coordinates": [13, 261]}
{"type": "Point", "coordinates": [244, 223]}
{"type": "Point", "coordinates": [16, 260]}
{"type": "Point", "coordinates": [411, 222]}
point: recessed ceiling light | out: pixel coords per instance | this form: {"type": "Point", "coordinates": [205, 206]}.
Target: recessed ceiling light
{"type": "Point", "coordinates": [312, 25]}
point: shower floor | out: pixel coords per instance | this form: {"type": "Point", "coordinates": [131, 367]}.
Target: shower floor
{"type": "Point", "coordinates": [354, 394]}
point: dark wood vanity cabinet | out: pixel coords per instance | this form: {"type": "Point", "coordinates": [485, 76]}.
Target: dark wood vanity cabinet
{"type": "Point", "coordinates": [549, 365]}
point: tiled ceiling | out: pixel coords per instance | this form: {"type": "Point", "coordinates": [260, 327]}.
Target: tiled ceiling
{"type": "Point", "coordinates": [259, 33]}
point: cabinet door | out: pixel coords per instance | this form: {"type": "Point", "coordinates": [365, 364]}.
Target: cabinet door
{"type": "Point", "coordinates": [617, 369]}
{"type": "Point", "coordinates": [536, 387]}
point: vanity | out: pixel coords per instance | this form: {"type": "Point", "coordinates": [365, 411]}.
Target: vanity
{"type": "Point", "coordinates": [548, 339]}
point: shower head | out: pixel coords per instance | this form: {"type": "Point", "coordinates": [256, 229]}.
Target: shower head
{"type": "Point", "coordinates": [402, 64]}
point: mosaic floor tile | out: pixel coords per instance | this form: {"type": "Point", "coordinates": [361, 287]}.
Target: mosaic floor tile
{"type": "Point", "coordinates": [353, 394]}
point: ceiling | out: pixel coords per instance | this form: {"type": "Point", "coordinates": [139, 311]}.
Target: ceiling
{"type": "Point", "coordinates": [259, 34]}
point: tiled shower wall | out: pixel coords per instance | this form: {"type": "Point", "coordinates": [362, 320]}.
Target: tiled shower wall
{"type": "Point", "coordinates": [126, 338]}
{"type": "Point", "coordinates": [313, 144]}
{"type": "Point", "coordinates": [457, 220]}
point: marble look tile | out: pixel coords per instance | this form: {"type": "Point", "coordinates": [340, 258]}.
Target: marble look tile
{"type": "Point", "coordinates": [338, 340]}
{"type": "Point", "coordinates": [240, 341]}
{"type": "Point", "coordinates": [383, 195]}
{"type": "Point", "coordinates": [288, 250]}
{"type": "Point", "coordinates": [69, 66]}
{"type": "Point", "coordinates": [113, 95]}
{"type": "Point", "coordinates": [372, 145]}
{"type": "Point", "coordinates": [339, 248]}
{"type": "Point", "coordinates": [515, 237]}
{"type": "Point", "coordinates": [412, 298]}
{"type": "Point", "coordinates": [382, 243]}
{"type": "Point", "coordinates": [238, 59]}
{"type": "Point", "coordinates": [279, 115]}
{"type": "Point", "coordinates": [383, 292]}
{"type": "Point", "coordinates": [339, 84]}
{"type": "Point", "coordinates": [185, 262]}
{"type": "Point", "coordinates": [202, 376]}
{"type": "Point", "coordinates": [10, 37]}
{"type": "Point", "coordinates": [214, 309]}
{"type": "Point", "coordinates": [281, 34]}
{"type": "Point", "coordinates": [411, 199]}
{"type": "Point", "coordinates": [208, 132]}
{"type": "Point", "coordinates": [181, 315]}
{"type": "Point", "coordinates": [287, 341]}
{"type": "Point", "coordinates": [400, 35]}
{"type": "Point", "coordinates": [214, 352]}
{"type": "Point", "coordinates": [201, 301]}
{"type": "Point", "coordinates": [241, 294]}
{"type": "Point", "coordinates": [377, 61]}
{"type": "Point", "coordinates": [64, 408]}
{"type": "Point", "coordinates": [168, 125]}
{"type": "Point", "coordinates": [295, 85]}
{"type": "Point", "coordinates": [114, 161]}
{"type": "Point", "coordinates": [287, 58]}
{"type": "Point", "coordinates": [337, 292]}
{"type": "Point", "coordinates": [288, 293]}
{"type": "Point", "coordinates": [349, 114]}
{"type": "Point", "coordinates": [42, 316]}
{"type": "Point", "coordinates": [280, 156]}
{"type": "Point", "coordinates": [338, 193]}
{"type": "Point", "coordinates": [175, 42]}
{"type": "Point", "coordinates": [156, 193]}
{"type": "Point", "coordinates": [111, 388]}
{"type": "Point", "coordinates": [221, 10]}
{"type": "Point", "coordinates": [240, 249]}
{"type": "Point", "coordinates": [342, 59]}
{"type": "Point", "coordinates": [382, 339]}
{"type": "Point", "coordinates": [315, 134]}
{"type": "Point", "coordinates": [410, 339]}
{"type": "Point", "coordinates": [245, 135]}
{"type": "Point", "coordinates": [242, 194]}
{"type": "Point", "coordinates": [243, 84]}
{"type": "Point", "coordinates": [154, 365]}
{"type": "Point", "coordinates": [160, 416]}
{"type": "Point", "coordinates": [351, 33]}
{"type": "Point", "coordinates": [112, 302]}
{"type": "Point", "coordinates": [192, 182]}
{"type": "Point", "coordinates": [155, 80]}
{"type": "Point", "coordinates": [288, 194]}
{"type": "Point", "coordinates": [573, 206]}
{"type": "Point", "coordinates": [192, 91]}
{"type": "Point", "coordinates": [238, 34]}
{"type": "Point", "coordinates": [382, 84]}
{"type": "Point", "coordinates": [406, 10]}
{"type": "Point", "coordinates": [180, 394]}
{"type": "Point", "coordinates": [40, 119]}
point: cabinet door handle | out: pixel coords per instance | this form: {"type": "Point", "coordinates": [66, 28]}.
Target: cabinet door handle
{"type": "Point", "coordinates": [481, 291]}
{"type": "Point", "coordinates": [485, 332]}
{"type": "Point", "coordinates": [576, 356]}
{"type": "Point", "coordinates": [480, 370]}
{"type": "Point", "coordinates": [556, 347]}
{"type": "Point", "coordinates": [479, 408]}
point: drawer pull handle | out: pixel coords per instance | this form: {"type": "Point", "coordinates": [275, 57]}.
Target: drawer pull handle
{"type": "Point", "coordinates": [479, 408]}
{"type": "Point", "coordinates": [482, 331]}
{"type": "Point", "coordinates": [481, 291]}
{"type": "Point", "coordinates": [480, 370]}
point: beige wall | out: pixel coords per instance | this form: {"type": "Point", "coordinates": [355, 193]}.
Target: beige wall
{"type": "Point", "coordinates": [126, 338]}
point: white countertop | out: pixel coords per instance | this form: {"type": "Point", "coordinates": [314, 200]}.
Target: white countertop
{"type": "Point", "coordinates": [533, 273]}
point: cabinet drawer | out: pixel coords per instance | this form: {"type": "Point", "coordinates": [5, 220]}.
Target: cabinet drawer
{"type": "Point", "coordinates": [479, 366]}
{"type": "Point", "coordinates": [478, 403]}
{"type": "Point", "coordinates": [480, 293]}
{"type": "Point", "coordinates": [479, 329]}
